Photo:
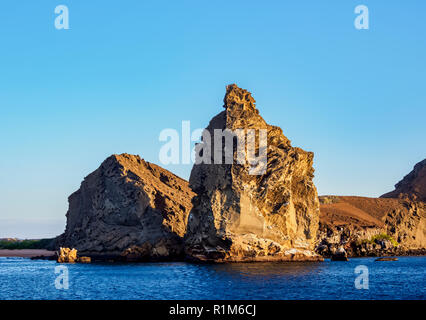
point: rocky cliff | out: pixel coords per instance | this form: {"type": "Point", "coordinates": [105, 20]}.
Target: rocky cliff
{"type": "Point", "coordinates": [412, 186]}
{"type": "Point", "coordinates": [247, 211]}
{"type": "Point", "coordinates": [128, 209]}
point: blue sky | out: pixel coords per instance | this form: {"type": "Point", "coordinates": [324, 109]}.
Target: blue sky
{"type": "Point", "coordinates": [126, 70]}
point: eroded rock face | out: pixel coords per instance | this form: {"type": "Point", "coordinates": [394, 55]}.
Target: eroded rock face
{"type": "Point", "coordinates": [238, 216]}
{"type": "Point", "coordinates": [127, 206]}
{"type": "Point", "coordinates": [413, 186]}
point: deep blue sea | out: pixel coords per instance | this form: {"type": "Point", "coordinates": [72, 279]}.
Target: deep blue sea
{"type": "Point", "coordinates": [22, 278]}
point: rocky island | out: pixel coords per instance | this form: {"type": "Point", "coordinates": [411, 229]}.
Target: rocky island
{"type": "Point", "coordinates": [132, 210]}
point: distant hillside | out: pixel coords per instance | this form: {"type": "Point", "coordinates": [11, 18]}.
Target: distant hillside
{"type": "Point", "coordinates": [12, 243]}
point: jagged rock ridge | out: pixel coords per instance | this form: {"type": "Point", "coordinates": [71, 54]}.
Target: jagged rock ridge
{"type": "Point", "coordinates": [238, 216]}
{"type": "Point", "coordinates": [128, 208]}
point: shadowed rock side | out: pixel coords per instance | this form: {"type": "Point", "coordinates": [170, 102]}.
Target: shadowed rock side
{"type": "Point", "coordinates": [371, 226]}
{"type": "Point", "coordinates": [413, 186]}
{"type": "Point", "coordinates": [242, 217]}
{"type": "Point", "coordinates": [128, 209]}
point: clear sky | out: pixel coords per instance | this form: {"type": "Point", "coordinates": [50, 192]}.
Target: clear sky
{"type": "Point", "coordinates": [125, 70]}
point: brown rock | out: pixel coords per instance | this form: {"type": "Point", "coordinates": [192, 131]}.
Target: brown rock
{"type": "Point", "coordinates": [387, 259]}
{"type": "Point", "coordinates": [67, 255]}
{"type": "Point", "coordinates": [238, 216]}
{"type": "Point", "coordinates": [340, 255]}
{"type": "Point", "coordinates": [128, 202]}
{"type": "Point", "coordinates": [84, 260]}
{"type": "Point", "coordinates": [413, 186]}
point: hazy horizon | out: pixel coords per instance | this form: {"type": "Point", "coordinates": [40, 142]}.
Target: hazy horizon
{"type": "Point", "coordinates": [121, 74]}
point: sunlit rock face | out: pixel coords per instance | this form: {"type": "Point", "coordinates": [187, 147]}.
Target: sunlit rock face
{"type": "Point", "coordinates": [248, 211]}
{"type": "Point", "coordinates": [128, 208]}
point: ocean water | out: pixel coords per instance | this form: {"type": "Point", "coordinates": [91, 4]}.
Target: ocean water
{"type": "Point", "coordinates": [22, 278]}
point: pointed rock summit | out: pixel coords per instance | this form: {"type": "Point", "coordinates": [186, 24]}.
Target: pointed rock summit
{"type": "Point", "coordinates": [413, 186]}
{"type": "Point", "coordinates": [243, 214]}
{"type": "Point", "coordinates": [128, 209]}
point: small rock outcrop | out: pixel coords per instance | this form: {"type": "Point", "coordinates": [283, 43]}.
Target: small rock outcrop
{"type": "Point", "coordinates": [67, 255]}
{"type": "Point", "coordinates": [413, 186]}
{"type": "Point", "coordinates": [241, 216]}
{"type": "Point", "coordinates": [84, 260]}
{"type": "Point", "coordinates": [128, 207]}
{"type": "Point", "coordinates": [340, 255]}
{"type": "Point", "coordinates": [387, 259]}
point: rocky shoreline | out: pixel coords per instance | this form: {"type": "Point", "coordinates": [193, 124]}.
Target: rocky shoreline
{"type": "Point", "coordinates": [383, 255]}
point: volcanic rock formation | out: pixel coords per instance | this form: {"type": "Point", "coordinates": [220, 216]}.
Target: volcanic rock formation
{"type": "Point", "coordinates": [241, 213]}
{"type": "Point", "coordinates": [130, 209]}
{"type": "Point", "coordinates": [413, 186]}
